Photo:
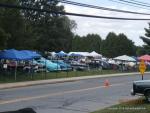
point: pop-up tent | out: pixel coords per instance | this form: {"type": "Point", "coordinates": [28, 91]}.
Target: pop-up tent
{"type": "Point", "coordinates": [94, 54]}
{"type": "Point", "coordinates": [61, 54]}
{"type": "Point", "coordinates": [75, 55]}
{"type": "Point", "coordinates": [13, 54]}
{"type": "Point", "coordinates": [32, 54]}
{"type": "Point", "coordinates": [125, 58]}
{"type": "Point", "coordinates": [85, 54]}
{"type": "Point", "coordinates": [144, 57]}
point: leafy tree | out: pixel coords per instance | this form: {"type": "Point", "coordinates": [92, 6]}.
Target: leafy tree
{"type": "Point", "coordinates": [11, 22]}
{"type": "Point", "coordinates": [109, 45]}
{"type": "Point", "coordinates": [28, 29]}
{"type": "Point", "coordinates": [114, 45]}
{"type": "Point", "coordinates": [93, 42]}
{"type": "Point", "coordinates": [146, 40]}
{"type": "Point", "coordinates": [126, 46]}
{"type": "Point", "coordinates": [3, 39]}
{"type": "Point", "coordinates": [140, 51]}
{"type": "Point", "coordinates": [89, 43]}
{"type": "Point", "coordinates": [77, 43]}
{"type": "Point", "coordinates": [52, 32]}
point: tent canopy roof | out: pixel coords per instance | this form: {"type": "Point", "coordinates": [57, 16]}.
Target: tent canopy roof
{"type": "Point", "coordinates": [13, 54]}
{"type": "Point", "coordinates": [94, 54]}
{"type": "Point", "coordinates": [125, 58]}
{"type": "Point", "coordinates": [75, 55]}
{"type": "Point", "coordinates": [32, 54]}
{"type": "Point", "coordinates": [144, 57]}
{"type": "Point", "coordinates": [61, 53]}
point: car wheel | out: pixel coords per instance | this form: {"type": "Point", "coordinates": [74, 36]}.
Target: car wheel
{"type": "Point", "coordinates": [147, 95]}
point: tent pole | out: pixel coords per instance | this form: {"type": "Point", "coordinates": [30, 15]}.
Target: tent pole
{"type": "Point", "coordinates": [16, 71]}
{"type": "Point", "coordinates": [67, 67]}
{"type": "Point", "coordinates": [32, 70]}
{"type": "Point", "coordinates": [67, 71]}
{"type": "Point", "coordinates": [57, 67]}
{"type": "Point", "coordinates": [45, 68]}
{"type": "Point", "coordinates": [122, 66]}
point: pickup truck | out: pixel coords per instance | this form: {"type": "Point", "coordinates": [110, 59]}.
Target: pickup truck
{"type": "Point", "coordinates": [141, 87]}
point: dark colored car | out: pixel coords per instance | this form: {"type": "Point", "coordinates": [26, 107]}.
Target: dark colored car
{"type": "Point", "coordinates": [94, 64]}
{"type": "Point", "coordinates": [99, 64]}
{"type": "Point", "coordinates": [141, 87]}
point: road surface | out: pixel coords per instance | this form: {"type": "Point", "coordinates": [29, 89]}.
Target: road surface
{"type": "Point", "coordinates": [82, 96]}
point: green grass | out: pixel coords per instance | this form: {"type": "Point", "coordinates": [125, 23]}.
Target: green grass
{"type": "Point", "coordinates": [9, 77]}
{"type": "Point", "coordinates": [132, 106]}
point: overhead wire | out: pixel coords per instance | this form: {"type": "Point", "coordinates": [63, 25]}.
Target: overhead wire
{"type": "Point", "coordinates": [101, 8]}
{"type": "Point", "coordinates": [129, 4]}
{"type": "Point", "coordinates": [135, 3]}
{"type": "Point", "coordinates": [66, 13]}
{"type": "Point", "coordinates": [141, 2]}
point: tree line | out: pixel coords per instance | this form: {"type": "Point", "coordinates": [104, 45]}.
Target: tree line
{"type": "Point", "coordinates": [24, 29]}
{"type": "Point", "coordinates": [113, 45]}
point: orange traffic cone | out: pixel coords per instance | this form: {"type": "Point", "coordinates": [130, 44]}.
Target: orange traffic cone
{"type": "Point", "coordinates": [106, 83]}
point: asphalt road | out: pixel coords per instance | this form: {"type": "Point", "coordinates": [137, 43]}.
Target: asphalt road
{"type": "Point", "coordinates": [82, 96]}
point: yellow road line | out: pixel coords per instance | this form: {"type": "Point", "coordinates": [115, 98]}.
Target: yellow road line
{"type": "Point", "coordinates": [54, 94]}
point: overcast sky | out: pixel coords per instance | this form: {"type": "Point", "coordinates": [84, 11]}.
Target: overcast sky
{"type": "Point", "coordinates": [132, 29]}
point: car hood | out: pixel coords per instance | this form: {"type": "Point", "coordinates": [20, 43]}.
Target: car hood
{"type": "Point", "coordinates": [142, 82]}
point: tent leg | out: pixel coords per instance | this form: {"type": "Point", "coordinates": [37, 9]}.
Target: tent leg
{"type": "Point", "coordinates": [32, 70]}
{"type": "Point", "coordinates": [45, 69]}
{"type": "Point", "coordinates": [57, 68]}
{"type": "Point", "coordinates": [16, 71]}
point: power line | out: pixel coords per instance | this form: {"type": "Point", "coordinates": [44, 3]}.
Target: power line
{"type": "Point", "coordinates": [140, 2]}
{"type": "Point", "coordinates": [129, 4]}
{"type": "Point", "coordinates": [67, 13]}
{"type": "Point", "coordinates": [135, 3]}
{"type": "Point", "coordinates": [101, 8]}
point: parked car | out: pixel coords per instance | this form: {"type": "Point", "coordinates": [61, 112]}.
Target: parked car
{"type": "Point", "coordinates": [79, 66]}
{"type": "Point", "coordinates": [50, 66]}
{"type": "Point", "coordinates": [105, 65]}
{"type": "Point", "coordinates": [95, 64]}
{"type": "Point", "coordinates": [64, 66]}
{"type": "Point", "coordinates": [141, 87]}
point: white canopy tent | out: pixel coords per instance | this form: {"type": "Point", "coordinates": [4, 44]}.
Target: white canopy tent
{"type": "Point", "coordinates": [95, 55]}
{"type": "Point", "coordinates": [110, 61]}
{"type": "Point", "coordinates": [53, 53]}
{"type": "Point", "coordinates": [85, 54]}
{"type": "Point", "coordinates": [125, 58]}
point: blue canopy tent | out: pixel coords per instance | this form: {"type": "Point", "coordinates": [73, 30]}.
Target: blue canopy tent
{"type": "Point", "coordinates": [61, 54]}
{"type": "Point", "coordinates": [32, 54]}
{"type": "Point", "coordinates": [13, 54]}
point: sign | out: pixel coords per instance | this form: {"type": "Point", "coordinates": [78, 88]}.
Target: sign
{"type": "Point", "coordinates": [142, 67]}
